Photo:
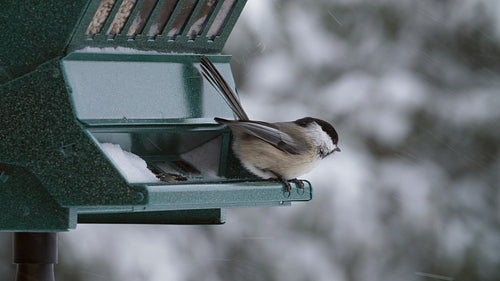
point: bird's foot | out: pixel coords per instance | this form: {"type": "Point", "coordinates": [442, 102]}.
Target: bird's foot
{"type": "Point", "coordinates": [288, 187]}
{"type": "Point", "coordinates": [300, 184]}
{"type": "Point", "coordinates": [286, 183]}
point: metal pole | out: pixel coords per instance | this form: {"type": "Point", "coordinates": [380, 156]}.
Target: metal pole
{"type": "Point", "coordinates": [35, 255]}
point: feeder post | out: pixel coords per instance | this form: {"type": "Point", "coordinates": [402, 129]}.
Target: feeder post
{"type": "Point", "coordinates": [35, 255]}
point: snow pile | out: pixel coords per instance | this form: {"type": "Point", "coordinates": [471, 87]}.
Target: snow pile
{"type": "Point", "coordinates": [131, 166]}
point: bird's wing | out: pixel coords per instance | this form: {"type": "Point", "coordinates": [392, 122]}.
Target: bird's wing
{"type": "Point", "coordinates": [266, 132]}
{"type": "Point", "coordinates": [213, 76]}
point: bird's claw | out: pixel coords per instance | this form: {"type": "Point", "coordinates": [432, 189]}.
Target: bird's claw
{"type": "Point", "coordinates": [300, 185]}
{"type": "Point", "coordinates": [288, 186]}
{"type": "Point", "coordinates": [286, 183]}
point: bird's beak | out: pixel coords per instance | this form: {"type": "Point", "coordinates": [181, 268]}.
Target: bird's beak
{"type": "Point", "coordinates": [337, 149]}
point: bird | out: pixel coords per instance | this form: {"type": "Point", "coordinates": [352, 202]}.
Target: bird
{"type": "Point", "coordinates": [280, 151]}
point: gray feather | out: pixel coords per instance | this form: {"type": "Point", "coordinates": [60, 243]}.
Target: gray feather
{"type": "Point", "coordinates": [213, 76]}
{"type": "Point", "coordinates": [266, 132]}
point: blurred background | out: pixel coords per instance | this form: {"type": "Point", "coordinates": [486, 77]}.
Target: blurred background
{"type": "Point", "coordinates": [413, 90]}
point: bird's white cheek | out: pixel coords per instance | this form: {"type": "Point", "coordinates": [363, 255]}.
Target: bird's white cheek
{"type": "Point", "coordinates": [320, 137]}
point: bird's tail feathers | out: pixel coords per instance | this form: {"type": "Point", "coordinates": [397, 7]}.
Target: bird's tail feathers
{"type": "Point", "coordinates": [214, 77]}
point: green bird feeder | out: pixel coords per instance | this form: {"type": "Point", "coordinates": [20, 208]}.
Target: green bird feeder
{"type": "Point", "coordinates": [84, 83]}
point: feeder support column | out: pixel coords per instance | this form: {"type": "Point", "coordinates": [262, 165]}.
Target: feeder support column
{"type": "Point", "coordinates": [35, 255]}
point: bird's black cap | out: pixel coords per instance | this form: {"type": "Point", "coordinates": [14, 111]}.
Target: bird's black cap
{"type": "Point", "coordinates": [327, 127]}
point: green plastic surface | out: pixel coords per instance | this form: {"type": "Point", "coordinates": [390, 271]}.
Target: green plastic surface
{"type": "Point", "coordinates": [121, 86]}
{"type": "Point", "coordinates": [34, 32]}
{"type": "Point", "coordinates": [38, 131]}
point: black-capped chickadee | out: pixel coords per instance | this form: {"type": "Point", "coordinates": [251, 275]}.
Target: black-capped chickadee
{"type": "Point", "coordinates": [282, 150]}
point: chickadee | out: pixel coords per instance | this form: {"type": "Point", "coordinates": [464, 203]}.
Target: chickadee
{"type": "Point", "coordinates": [277, 151]}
